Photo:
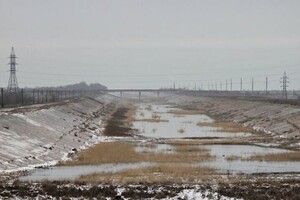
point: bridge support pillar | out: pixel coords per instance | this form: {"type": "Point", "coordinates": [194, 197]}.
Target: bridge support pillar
{"type": "Point", "coordinates": [157, 93]}
{"type": "Point", "coordinates": [121, 94]}
{"type": "Point", "coordinates": [140, 93]}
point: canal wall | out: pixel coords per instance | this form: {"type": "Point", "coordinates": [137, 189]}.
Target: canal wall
{"type": "Point", "coordinates": [44, 134]}
{"type": "Point", "coordinates": [280, 121]}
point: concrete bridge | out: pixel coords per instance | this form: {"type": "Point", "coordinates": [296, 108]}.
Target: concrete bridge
{"type": "Point", "coordinates": [139, 91]}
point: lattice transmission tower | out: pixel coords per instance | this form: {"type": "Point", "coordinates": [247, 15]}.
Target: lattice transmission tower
{"type": "Point", "coordinates": [284, 81]}
{"type": "Point", "coordinates": [12, 82]}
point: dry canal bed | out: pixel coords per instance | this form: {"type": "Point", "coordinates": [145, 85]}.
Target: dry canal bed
{"type": "Point", "coordinates": [162, 144]}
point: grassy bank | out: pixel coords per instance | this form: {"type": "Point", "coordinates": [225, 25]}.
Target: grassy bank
{"type": "Point", "coordinates": [229, 127]}
{"type": "Point", "coordinates": [277, 157]}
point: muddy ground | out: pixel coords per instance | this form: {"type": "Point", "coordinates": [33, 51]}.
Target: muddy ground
{"type": "Point", "coordinates": [247, 187]}
{"type": "Point", "coordinates": [115, 125]}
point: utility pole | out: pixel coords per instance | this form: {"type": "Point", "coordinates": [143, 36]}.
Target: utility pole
{"type": "Point", "coordinates": [266, 85]}
{"type": "Point", "coordinates": [12, 82]}
{"type": "Point", "coordinates": [284, 81]}
{"type": "Point", "coordinates": [42, 93]}
{"type": "Point", "coordinates": [2, 98]}
{"type": "Point", "coordinates": [241, 84]}
{"type": "Point", "coordinates": [252, 84]}
{"type": "Point", "coordinates": [231, 84]}
{"type": "Point", "coordinates": [221, 86]}
{"type": "Point", "coordinates": [226, 85]}
{"type": "Point", "coordinates": [22, 96]}
{"type": "Point", "coordinates": [33, 96]}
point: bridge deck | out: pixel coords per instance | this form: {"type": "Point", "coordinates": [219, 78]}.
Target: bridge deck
{"type": "Point", "coordinates": [138, 90]}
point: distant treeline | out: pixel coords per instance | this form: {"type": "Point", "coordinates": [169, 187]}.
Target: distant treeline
{"type": "Point", "coordinates": [77, 86]}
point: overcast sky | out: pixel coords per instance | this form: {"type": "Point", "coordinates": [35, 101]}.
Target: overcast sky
{"type": "Point", "coordinates": [151, 43]}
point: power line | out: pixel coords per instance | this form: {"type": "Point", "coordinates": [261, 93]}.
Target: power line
{"type": "Point", "coordinates": [12, 82]}
{"type": "Point", "coordinates": [284, 81]}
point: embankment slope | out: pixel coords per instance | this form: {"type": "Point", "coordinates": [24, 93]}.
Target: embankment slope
{"type": "Point", "coordinates": [280, 121]}
{"type": "Point", "coordinates": [44, 134]}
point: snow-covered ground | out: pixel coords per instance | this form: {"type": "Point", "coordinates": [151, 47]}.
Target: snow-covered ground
{"type": "Point", "coordinates": [44, 135]}
{"type": "Point", "coordinates": [125, 192]}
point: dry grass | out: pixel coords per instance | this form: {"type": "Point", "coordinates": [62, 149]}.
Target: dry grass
{"type": "Point", "coordinates": [155, 118]}
{"type": "Point", "coordinates": [184, 142]}
{"type": "Point", "coordinates": [183, 154]}
{"type": "Point", "coordinates": [123, 152]}
{"type": "Point", "coordinates": [189, 149]}
{"type": "Point", "coordinates": [185, 112]}
{"type": "Point", "coordinates": [179, 115]}
{"type": "Point", "coordinates": [273, 157]}
{"type": "Point", "coordinates": [151, 120]}
{"type": "Point", "coordinates": [149, 145]}
{"type": "Point", "coordinates": [106, 152]}
{"type": "Point", "coordinates": [148, 108]}
{"type": "Point", "coordinates": [226, 126]}
{"type": "Point", "coordinates": [131, 112]}
{"type": "Point", "coordinates": [233, 158]}
{"type": "Point", "coordinates": [164, 173]}
{"type": "Point", "coordinates": [287, 156]}
{"type": "Point", "coordinates": [229, 141]}
{"type": "Point", "coordinates": [181, 131]}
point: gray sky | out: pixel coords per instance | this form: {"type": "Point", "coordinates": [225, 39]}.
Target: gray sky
{"type": "Point", "coordinates": [151, 43]}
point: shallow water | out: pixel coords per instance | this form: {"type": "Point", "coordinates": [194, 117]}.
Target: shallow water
{"type": "Point", "coordinates": [220, 163]}
{"type": "Point", "coordinates": [74, 172]}
{"type": "Point", "coordinates": [175, 123]}
{"type": "Point", "coordinates": [158, 148]}
{"type": "Point", "coordinates": [246, 151]}
{"type": "Point", "coordinates": [249, 167]}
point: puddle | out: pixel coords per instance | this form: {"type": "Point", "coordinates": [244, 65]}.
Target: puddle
{"type": "Point", "coordinates": [249, 167]}
{"type": "Point", "coordinates": [175, 126]}
{"type": "Point", "coordinates": [73, 172]}
{"type": "Point", "coordinates": [246, 151]}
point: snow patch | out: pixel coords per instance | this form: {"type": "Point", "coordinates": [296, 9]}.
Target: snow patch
{"type": "Point", "coordinates": [196, 194]}
{"type": "Point", "coordinates": [30, 121]}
